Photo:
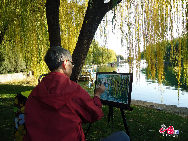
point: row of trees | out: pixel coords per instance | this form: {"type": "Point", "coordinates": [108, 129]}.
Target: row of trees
{"type": "Point", "coordinates": [24, 36]}
{"type": "Point", "coordinates": [100, 55]}
{"type": "Point", "coordinates": [172, 50]}
{"type": "Point", "coordinates": [29, 28]}
{"type": "Point", "coordinates": [165, 53]}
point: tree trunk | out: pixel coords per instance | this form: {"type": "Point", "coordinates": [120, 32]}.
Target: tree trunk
{"type": "Point", "coordinates": [96, 10]}
{"type": "Point", "coordinates": [52, 15]}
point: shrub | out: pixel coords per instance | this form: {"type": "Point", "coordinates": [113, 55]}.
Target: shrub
{"type": "Point", "coordinates": [12, 65]}
{"type": "Point", "coordinates": [5, 67]}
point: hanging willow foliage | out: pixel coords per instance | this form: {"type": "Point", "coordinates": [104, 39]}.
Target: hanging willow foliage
{"type": "Point", "coordinates": [71, 17]}
{"type": "Point", "coordinates": [26, 39]}
{"type": "Point", "coordinates": [151, 24]}
{"type": "Point", "coordinates": [147, 24]}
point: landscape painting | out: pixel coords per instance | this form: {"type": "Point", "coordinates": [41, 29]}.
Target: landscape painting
{"type": "Point", "coordinates": [118, 86]}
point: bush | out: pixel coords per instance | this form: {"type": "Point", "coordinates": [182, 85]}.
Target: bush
{"type": "Point", "coordinates": [20, 65]}
{"type": "Point", "coordinates": [12, 65]}
{"type": "Point", "coordinates": [5, 67]}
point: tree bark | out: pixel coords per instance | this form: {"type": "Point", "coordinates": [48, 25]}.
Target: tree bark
{"type": "Point", "coordinates": [96, 10]}
{"type": "Point", "coordinates": [52, 15]}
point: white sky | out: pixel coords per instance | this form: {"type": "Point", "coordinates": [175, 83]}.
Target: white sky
{"type": "Point", "coordinates": [113, 41]}
{"type": "Point", "coordinates": [113, 38]}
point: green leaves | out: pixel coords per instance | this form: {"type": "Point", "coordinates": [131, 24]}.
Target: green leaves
{"type": "Point", "coordinates": [100, 55]}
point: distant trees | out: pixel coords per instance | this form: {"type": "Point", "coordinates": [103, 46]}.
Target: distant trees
{"type": "Point", "coordinates": [100, 55]}
{"type": "Point", "coordinates": [121, 57]}
{"type": "Point", "coordinates": [174, 52]}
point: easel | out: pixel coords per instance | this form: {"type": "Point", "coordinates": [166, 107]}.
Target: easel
{"type": "Point", "coordinates": [110, 115]}
{"type": "Point", "coordinates": [122, 106]}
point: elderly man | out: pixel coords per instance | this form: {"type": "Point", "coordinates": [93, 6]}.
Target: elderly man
{"type": "Point", "coordinates": [57, 106]}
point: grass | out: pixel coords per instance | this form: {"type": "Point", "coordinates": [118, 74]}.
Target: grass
{"type": "Point", "coordinates": [144, 123]}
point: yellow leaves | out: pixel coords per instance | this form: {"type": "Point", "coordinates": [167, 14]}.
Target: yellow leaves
{"type": "Point", "coordinates": [20, 133]}
{"type": "Point", "coordinates": [27, 35]}
{"type": "Point", "coordinates": [158, 15]}
{"type": "Point", "coordinates": [26, 93]}
{"type": "Point", "coordinates": [16, 101]}
{"type": "Point", "coordinates": [71, 18]}
{"type": "Point", "coordinates": [23, 109]}
{"type": "Point", "coordinates": [28, 29]}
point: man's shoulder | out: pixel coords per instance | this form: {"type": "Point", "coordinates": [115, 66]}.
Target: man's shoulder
{"type": "Point", "coordinates": [81, 93]}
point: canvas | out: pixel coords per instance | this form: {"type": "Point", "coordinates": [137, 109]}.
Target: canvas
{"type": "Point", "coordinates": [118, 86]}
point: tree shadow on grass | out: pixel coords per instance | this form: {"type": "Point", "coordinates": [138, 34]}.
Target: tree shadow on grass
{"type": "Point", "coordinates": [7, 118]}
{"type": "Point", "coordinates": [14, 89]}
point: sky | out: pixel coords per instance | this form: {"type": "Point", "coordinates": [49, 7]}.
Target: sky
{"type": "Point", "coordinates": [113, 42]}
{"type": "Point", "coordinates": [113, 38]}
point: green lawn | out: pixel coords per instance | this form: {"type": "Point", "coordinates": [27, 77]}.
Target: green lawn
{"type": "Point", "coordinates": [144, 123]}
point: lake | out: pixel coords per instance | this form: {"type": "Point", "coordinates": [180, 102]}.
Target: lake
{"type": "Point", "coordinates": [148, 90]}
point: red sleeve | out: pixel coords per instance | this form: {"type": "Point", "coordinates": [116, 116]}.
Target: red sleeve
{"type": "Point", "coordinates": [87, 108]}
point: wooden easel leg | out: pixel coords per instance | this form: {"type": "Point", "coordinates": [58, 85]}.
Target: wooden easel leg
{"type": "Point", "coordinates": [88, 129]}
{"type": "Point", "coordinates": [110, 114]}
{"type": "Point", "coordinates": [125, 121]}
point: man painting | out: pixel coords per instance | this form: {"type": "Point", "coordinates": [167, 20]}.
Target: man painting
{"type": "Point", "coordinates": [57, 106]}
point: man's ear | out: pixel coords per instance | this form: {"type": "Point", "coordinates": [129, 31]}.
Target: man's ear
{"type": "Point", "coordinates": [64, 65]}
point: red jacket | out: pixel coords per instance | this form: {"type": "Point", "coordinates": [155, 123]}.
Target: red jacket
{"type": "Point", "coordinates": [56, 108]}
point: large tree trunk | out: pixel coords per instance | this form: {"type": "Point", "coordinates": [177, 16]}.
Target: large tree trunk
{"type": "Point", "coordinates": [52, 15]}
{"type": "Point", "coordinates": [95, 12]}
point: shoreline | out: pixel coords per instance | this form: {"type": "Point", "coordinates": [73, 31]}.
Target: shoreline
{"type": "Point", "coordinates": [181, 111]}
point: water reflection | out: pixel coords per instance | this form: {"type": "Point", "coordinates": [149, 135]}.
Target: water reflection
{"type": "Point", "coordinates": [147, 89]}
{"type": "Point", "coordinates": [170, 78]}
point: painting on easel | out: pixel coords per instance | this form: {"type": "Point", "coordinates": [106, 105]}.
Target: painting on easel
{"type": "Point", "coordinates": [118, 88]}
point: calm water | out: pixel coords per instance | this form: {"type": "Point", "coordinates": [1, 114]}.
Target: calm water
{"type": "Point", "coordinates": [147, 90]}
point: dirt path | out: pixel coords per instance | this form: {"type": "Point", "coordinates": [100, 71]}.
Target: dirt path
{"type": "Point", "coordinates": [182, 111]}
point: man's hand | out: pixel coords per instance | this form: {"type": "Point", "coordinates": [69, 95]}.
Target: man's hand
{"type": "Point", "coordinates": [99, 90]}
